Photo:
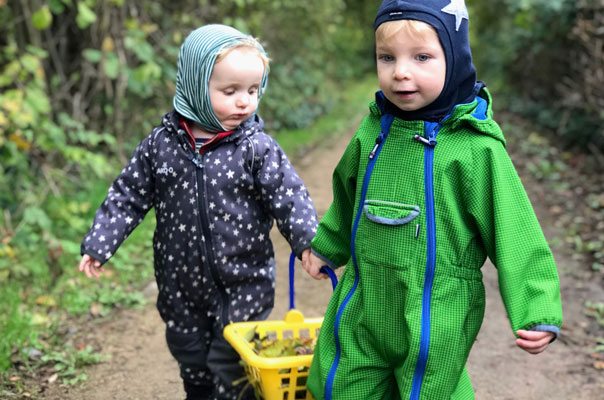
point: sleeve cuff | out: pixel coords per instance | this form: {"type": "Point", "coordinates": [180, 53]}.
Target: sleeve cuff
{"type": "Point", "coordinates": [547, 328]}
{"type": "Point", "coordinates": [329, 263]}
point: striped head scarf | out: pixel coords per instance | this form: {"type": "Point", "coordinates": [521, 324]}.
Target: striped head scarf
{"type": "Point", "coordinates": [196, 60]}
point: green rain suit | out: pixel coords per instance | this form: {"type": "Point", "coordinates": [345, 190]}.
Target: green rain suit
{"type": "Point", "coordinates": [440, 199]}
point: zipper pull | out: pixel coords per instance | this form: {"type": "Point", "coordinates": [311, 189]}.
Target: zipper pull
{"type": "Point", "coordinates": [197, 160]}
{"type": "Point", "coordinates": [428, 142]}
{"type": "Point", "coordinates": [378, 141]}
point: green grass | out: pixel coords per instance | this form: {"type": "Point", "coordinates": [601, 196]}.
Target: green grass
{"type": "Point", "coordinates": [343, 117]}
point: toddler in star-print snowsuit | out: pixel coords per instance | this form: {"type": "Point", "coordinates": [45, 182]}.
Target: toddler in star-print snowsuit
{"type": "Point", "coordinates": [217, 182]}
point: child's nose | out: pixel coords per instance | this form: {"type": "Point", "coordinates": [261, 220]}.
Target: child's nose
{"type": "Point", "coordinates": [402, 71]}
{"type": "Point", "coordinates": [243, 100]}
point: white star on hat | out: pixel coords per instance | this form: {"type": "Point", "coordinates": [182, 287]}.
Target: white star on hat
{"type": "Point", "coordinates": [457, 8]}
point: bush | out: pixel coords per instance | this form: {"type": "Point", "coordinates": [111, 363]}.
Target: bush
{"type": "Point", "coordinates": [544, 57]}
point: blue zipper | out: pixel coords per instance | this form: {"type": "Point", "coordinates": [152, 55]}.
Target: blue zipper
{"type": "Point", "coordinates": [431, 129]}
{"type": "Point", "coordinates": [385, 123]}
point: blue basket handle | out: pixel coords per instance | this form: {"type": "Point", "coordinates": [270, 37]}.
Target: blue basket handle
{"type": "Point", "coordinates": [324, 269]}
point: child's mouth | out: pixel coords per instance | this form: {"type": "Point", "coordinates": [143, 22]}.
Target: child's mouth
{"type": "Point", "coordinates": [405, 93]}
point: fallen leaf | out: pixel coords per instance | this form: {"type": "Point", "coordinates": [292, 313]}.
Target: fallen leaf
{"type": "Point", "coordinates": [555, 210]}
{"type": "Point", "coordinates": [40, 319]}
{"type": "Point", "coordinates": [95, 309]}
{"type": "Point", "coordinates": [599, 365]}
{"type": "Point", "coordinates": [15, 378]}
{"type": "Point", "coordinates": [53, 378]}
{"type": "Point", "coordinates": [47, 301]}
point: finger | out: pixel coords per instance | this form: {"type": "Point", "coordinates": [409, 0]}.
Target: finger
{"type": "Point", "coordinates": [535, 350]}
{"type": "Point", "coordinates": [536, 336]}
{"type": "Point", "coordinates": [533, 344]}
{"type": "Point", "coordinates": [533, 347]}
{"type": "Point", "coordinates": [319, 275]}
{"type": "Point", "coordinates": [83, 262]}
{"type": "Point", "coordinates": [533, 335]}
{"type": "Point", "coordinates": [305, 267]}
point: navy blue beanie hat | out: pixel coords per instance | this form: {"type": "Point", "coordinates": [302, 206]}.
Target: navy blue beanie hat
{"type": "Point", "coordinates": [450, 20]}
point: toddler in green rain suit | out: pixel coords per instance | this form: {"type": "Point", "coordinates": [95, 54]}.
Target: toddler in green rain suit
{"type": "Point", "coordinates": [423, 194]}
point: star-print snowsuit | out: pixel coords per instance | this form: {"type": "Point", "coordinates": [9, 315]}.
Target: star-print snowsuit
{"type": "Point", "coordinates": [411, 300]}
{"type": "Point", "coordinates": [213, 257]}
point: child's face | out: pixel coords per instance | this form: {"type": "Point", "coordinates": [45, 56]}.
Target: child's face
{"type": "Point", "coordinates": [234, 86]}
{"type": "Point", "coordinates": [411, 68]}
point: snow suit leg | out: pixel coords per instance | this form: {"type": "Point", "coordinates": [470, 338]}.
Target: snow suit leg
{"type": "Point", "coordinates": [208, 364]}
{"type": "Point", "coordinates": [376, 349]}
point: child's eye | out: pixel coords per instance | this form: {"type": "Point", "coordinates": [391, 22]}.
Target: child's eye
{"type": "Point", "coordinates": [386, 58]}
{"type": "Point", "coordinates": [253, 90]}
{"type": "Point", "coordinates": [229, 92]}
{"type": "Point", "coordinates": [423, 57]}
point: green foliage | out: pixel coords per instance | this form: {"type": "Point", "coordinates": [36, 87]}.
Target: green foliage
{"type": "Point", "coordinates": [596, 311]}
{"type": "Point", "coordinates": [15, 323]}
{"type": "Point", "coordinates": [539, 55]}
{"type": "Point", "coordinates": [351, 105]}
{"type": "Point", "coordinates": [68, 363]}
{"type": "Point", "coordinates": [319, 46]}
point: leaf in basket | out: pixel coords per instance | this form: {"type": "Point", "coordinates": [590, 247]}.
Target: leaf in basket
{"type": "Point", "coordinates": [249, 335]}
{"type": "Point", "coordinates": [273, 350]}
{"type": "Point", "coordinates": [258, 345]}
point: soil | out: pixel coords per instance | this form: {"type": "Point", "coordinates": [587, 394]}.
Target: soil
{"type": "Point", "coordinates": [141, 367]}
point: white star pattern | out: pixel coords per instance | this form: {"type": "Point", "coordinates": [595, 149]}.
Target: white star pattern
{"type": "Point", "coordinates": [457, 8]}
{"type": "Point", "coordinates": [215, 210]}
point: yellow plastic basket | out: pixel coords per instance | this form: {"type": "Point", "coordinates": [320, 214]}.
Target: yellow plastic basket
{"type": "Point", "coordinates": [276, 378]}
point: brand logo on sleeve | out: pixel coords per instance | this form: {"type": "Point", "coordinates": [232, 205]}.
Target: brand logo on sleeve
{"type": "Point", "coordinates": [165, 171]}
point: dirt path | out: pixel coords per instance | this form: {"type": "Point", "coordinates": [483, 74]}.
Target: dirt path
{"type": "Point", "coordinates": [141, 367]}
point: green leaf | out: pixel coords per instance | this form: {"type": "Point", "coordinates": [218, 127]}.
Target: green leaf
{"type": "Point", "coordinates": [71, 247]}
{"type": "Point", "coordinates": [147, 72]}
{"type": "Point", "coordinates": [42, 18]}
{"type": "Point", "coordinates": [37, 217]}
{"type": "Point", "coordinates": [143, 50]}
{"type": "Point", "coordinates": [111, 65]}
{"type": "Point", "coordinates": [92, 55]}
{"type": "Point", "coordinates": [85, 17]}
{"type": "Point", "coordinates": [30, 63]}
{"type": "Point", "coordinates": [56, 6]}
{"type": "Point", "coordinates": [36, 51]}
{"type": "Point", "coordinates": [10, 73]}
{"type": "Point", "coordinates": [37, 100]}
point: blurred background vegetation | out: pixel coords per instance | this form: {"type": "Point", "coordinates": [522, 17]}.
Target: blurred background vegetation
{"type": "Point", "coordinates": [83, 81]}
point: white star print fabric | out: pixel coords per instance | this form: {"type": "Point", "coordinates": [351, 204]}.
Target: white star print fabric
{"type": "Point", "coordinates": [212, 254]}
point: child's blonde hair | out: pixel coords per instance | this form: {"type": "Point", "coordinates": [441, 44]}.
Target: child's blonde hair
{"type": "Point", "coordinates": [412, 27]}
{"type": "Point", "coordinates": [250, 43]}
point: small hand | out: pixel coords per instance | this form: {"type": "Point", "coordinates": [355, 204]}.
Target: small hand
{"type": "Point", "coordinates": [312, 265]}
{"type": "Point", "coordinates": [90, 266]}
{"type": "Point", "coordinates": [533, 342]}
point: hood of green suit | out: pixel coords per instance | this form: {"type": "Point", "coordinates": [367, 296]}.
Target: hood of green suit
{"type": "Point", "coordinates": [476, 115]}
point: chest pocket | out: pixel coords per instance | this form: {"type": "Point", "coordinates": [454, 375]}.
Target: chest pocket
{"type": "Point", "coordinates": [387, 236]}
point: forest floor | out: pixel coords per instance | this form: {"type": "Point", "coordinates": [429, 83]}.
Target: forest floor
{"type": "Point", "coordinates": [141, 368]}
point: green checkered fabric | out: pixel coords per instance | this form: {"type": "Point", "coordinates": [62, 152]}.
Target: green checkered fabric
{"type": "Point", "coordinates": [481, 210]}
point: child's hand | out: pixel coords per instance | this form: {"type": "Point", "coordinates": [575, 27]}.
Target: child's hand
{"type": "Point", "coordinates": [90, 266]}
{"type": "Point", "coordinates": [533, 342]}
{"type": "Point", "coordinates": [312, 264]}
